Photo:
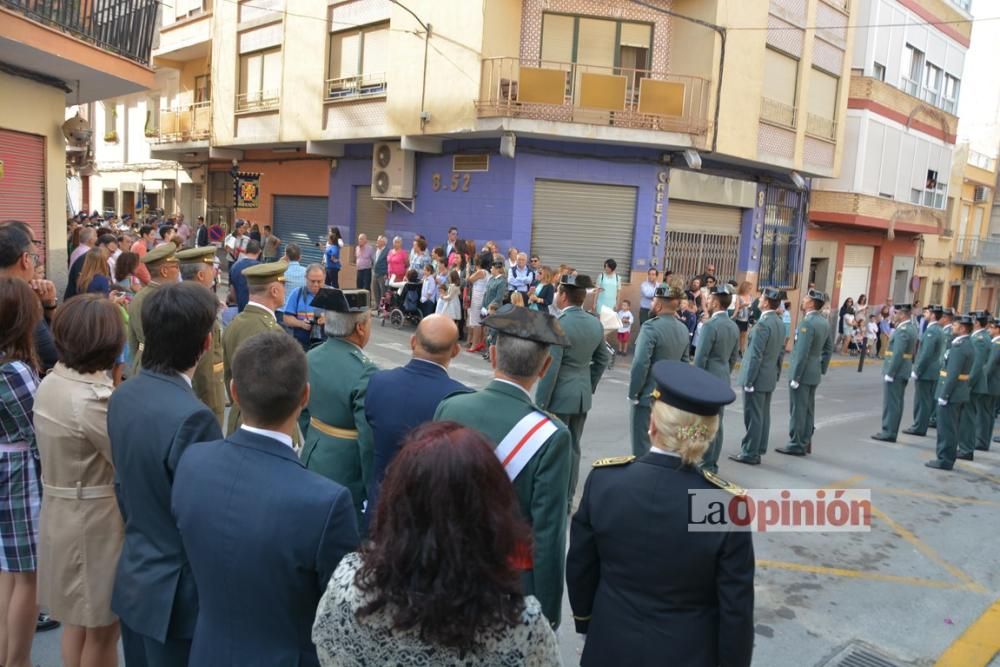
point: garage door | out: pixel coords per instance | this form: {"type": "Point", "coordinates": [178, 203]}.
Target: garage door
{"type": "Point", "coordinates": [22, 186]}
{"type": "Point", "coordinates": [302, 220]}
{"type": "Point", "coordinates": [369, 215]}
{"type": "Point", "coordinates": [702, 234]}
{"type": "Point", "coordinates": [583, 224]}
{"type": "Point", "coordinates": [857, 271]}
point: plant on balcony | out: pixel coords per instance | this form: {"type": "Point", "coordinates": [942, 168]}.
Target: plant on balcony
{"type": "Point", "coordinates": [150, 130]}
{"type": "Point", "coordinates": [111, 137]}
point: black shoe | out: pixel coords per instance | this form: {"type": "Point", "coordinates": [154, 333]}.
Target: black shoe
{"type": "Point", "coordinates": [913, 431]}
{"type": "Point", "coordinates": [964, 457]}
{"type": "Point", "coordinates": [938, 465]}
{"type": "Point", "coordinates": [45, 623]}
{"type": "Point", "coordinates": [882, 438]}
{"type": "Point", "coordinates": [791, 451]}
{"type": "Point", "coordinates": [749, 460]}
{"type": "Point", "coordinates": [983, 449]}
{"type": "Point", "coordinates": [932, 425]}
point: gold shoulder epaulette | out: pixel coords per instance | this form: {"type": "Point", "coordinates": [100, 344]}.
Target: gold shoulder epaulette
{"type": "Point", "coordinates": [613, 461]}
{"type": "Point", "coordinates": [723, 484]}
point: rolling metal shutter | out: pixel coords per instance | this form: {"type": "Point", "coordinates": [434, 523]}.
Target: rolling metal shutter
{"type": "Point", "coordinates": [369, 215]}
{"type": "Point", "coordinates": [684, 216]}
{"type": "Point", "coordinates": [22, 187]}
{"type": "Point", "coordinates": [583, 224]}
{"type": "Point", "coordinates": [702, 234]}
{"type": "Point", "coordinates": [302, 220]}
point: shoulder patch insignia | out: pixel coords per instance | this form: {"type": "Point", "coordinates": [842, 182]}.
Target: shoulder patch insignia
{"type": "Point", "coordinates": [803, 330]}
{"type": "Point", "coordinates": [725, 485]}
{"type": "Point", "coordinates": [613, 461]}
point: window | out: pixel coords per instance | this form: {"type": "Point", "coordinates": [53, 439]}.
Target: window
{"type": "Point", "coordinates": [260, 80]}
{"type": "Point", "coordinates": [934, 193]}
{"type": "Point", "coordinates": [822, 111]}
{"type": "Point", "coordinates": [202, 88]}
{"type": "Point", "coordinates": [979, 193]}
{"type": "Point", "coordinates": [110, 121]}
{"type": "Point", "coordinates": [152, 116]}
{"type": "Point", "coordinates": [358, 62]}
{"type": "Point", "coordinates": [599, 42]}
{"type": "Point", "coordinates": [937, 291]}
{"type": "Point", "coordinates": [109, 201]}
{"type": "Point", "coordinates": [950, 96]}
{"type": "Point", "coordinates": [913, 70]}
{"type": "Point", "coordinates": [932, 84]}
{"type": "Point", "coordinates": [781, 73]}
{"type": "Point", "coordinates": [932, 179]}
{"type": "Point", "coordinates": [878, 71]}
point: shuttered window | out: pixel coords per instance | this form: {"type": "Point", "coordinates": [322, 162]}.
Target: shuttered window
{"type": "Point", "coordinates": [583, 224]}
{"type": "Point", "coordinates": [22, 188]}
{"type": "Point", "coordinates": [595, 44]}
{"type": "Point", "coordinates": [823, 94]}
{"type": "Point", "coordinates": [858, 255]}
{"type": "Point", "coordinates": [683, 216]}
{"type": "Point", "coordinates": [557, 38]}
{"type": "Point", "coordinates": [302, 220]}
{"type": "Point", "coordinates": [780, 74]}
{"type": "Point", "coordinates": [369, 215]}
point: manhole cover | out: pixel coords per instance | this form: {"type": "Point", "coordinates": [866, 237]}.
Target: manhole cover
{"type": "Point", "coordinates": [859, 654]}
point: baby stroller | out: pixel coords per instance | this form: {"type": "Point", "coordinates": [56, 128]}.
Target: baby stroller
{"type": "Point", "coordinates": [405, 305]}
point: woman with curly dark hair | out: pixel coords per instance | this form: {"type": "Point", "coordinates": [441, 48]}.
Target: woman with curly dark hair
{"type": "Point", "coordinates": [436, 584]}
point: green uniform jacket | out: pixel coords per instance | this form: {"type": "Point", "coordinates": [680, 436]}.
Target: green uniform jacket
{"type": "Point", "coordinates": [993, 368]}
{"type": "Point", "coordinates": [663, 337]}
{"type": "Point", "coordinates": [207, 382]}
{"type": "Point", "coordinates": [928, 361]}
{"type": "Point", "coordinates": [899, 357]}
{"type": "Point", "coordinates": [762, 361]}
{"type": "Point", "coordinates": [568, 387]}
{"type": "Point", "coordinates": [541, 487]}
{"type": "Point", "coordinates": [136, 339]}
{"type": "Point", "coordinates": [958, 363]}
{"type": "Point", "coordinates": [812, 350]}
{"type": "Point", "coordinates": [253, 320]}
{"type": "Point", "coordinates": [338, 379]}
{"type": "Point", "coordinates": [496, 287]}
{"type": "Point", "coordinates": [718, 347]}
{"type": "Point", "coordinates": [978, 379]}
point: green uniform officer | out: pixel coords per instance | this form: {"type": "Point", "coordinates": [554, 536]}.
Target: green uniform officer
{"type": "Point", "coordinates": [163, 269]}
{"type": "Point", "coordinates": [993, 376]}
{"type": "Point", "coordinates": [266, 284]}
{"type": "Point", "coordinates": [953, 393]}
{"type": "Point", "coordinates": [568, 386]}
{"type": "Point", "coordinates": [759, 373]}
{"type": "Point", "coordinates": [947, 335]}
{"type": "Point", "coordinates": [539, 469]}
{"type": "Point", "coordinates": [925, 371]}
{"type": "Point", "coordinates": [338, 440]}
{"type": "Point", "coordinates": [198, 265]}
{"type": "Point", "coordinates": [976, 426]}
{"type": "Point", "coordinates": [810, 360]}
{"type": "Point", "coordinates": [662, 336]}
{"type": "Point", "coordinates": [896, 371]}
{"type": "Point", "coordinates": [718, 351]}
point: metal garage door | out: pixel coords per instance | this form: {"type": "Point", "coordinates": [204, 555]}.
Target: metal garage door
{"type": "Point", "coordinates": [302, 220]}
{"type": "Point", "coordinates": [583, 224]}
{"type": "Point", "coordinates": [22, 186]}
{"type": "Point", "coordinates": [856, 272]}
{"type": "Point", "coordinates": [369, 215]}
{"type": "Point", "coordinates": [702, 234]}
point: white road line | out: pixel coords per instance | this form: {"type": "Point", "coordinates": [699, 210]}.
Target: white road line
{"type": "Point", "coordinates": [846, 417]}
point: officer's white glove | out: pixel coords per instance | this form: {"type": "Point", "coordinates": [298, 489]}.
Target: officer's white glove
{"type": "Point", "coordinates": [913, 376]}
{"type": "Point", "coordinates": [747, 390]}
{"type": "Point", "coordinates": [634, 401]}
{"type": "Point", "coordinates": [483, 312]}
{"type": "Point", "coordinates": [793, 384]}
{"type": "Point", "coordinates": [887, 378]}
{"type": "Point", "coordinates": [942, 402]}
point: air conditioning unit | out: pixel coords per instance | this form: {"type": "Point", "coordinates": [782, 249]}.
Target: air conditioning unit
{"type": "Point", "coordinates": [392, 171]}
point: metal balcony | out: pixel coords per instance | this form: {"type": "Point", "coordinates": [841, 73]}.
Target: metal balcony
{"type": "Point", "coordinates": [776, 113]}
{"type": "Point", "coordinates": [974, 251]}
{"type": "Point", "coordinates": [259, 100]}
{"type": "Point", "coordinates": [182, 124]}
{"type": "Point", "coordinates": [613, 96]}
{"type": "Point", "coordinates": [124, 27]}
{"type": "Point", "coordinates": [981, 160]}
{"type": "Point", "coordinates": [356, 87]}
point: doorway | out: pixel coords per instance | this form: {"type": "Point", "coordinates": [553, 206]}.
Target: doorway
{"type": "Point", "coordinates": [953, 296]}
{"type": "Point", "coordinates": [900, 285]}
{"type": "Point", "coordinates": [819, 268]}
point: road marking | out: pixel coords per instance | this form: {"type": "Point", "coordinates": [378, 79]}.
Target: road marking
{"type": "Point", "coordinates": [844, 483]}
{"type": "Point", "coordinates": [846, 417]}
{"type": "Point", "coordinates": [978, 644]}
{"type": "Point", "coordinates": [976, 471]}
{"type": "Point", "coordinates": [861, 574]}
{"type": "Point", "coordinates": [936, 496]}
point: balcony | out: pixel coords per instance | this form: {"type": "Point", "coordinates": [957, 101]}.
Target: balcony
{"type": "Point", "coordinates": [903, 105]}
{"type": "Point", "coordinates": [257, 101]}
{"type": "Point", "coordinates": [868, 212]}
{"type": "Point", "coordinates": [358, 87]}
{"type": "Point", "coordinates": [185, 124]}
{"type": "Point", "coordinates": [982, 160]}
{"type": "Point", "coordinates": [974, 251]}
{"type": "Point", "coordinates": [776, 113]}
{"type": "Point", "coordinates": [821, 128]}
{"type": "Point", "coordinates": [612, 96]}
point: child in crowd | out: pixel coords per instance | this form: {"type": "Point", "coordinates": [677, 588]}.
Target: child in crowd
{"type": "Point", "coordinates": [491, 336]}
{"type": "Point", "coordinates": [517, 299]}
{"type": "Point", "coordinates": [625, 330]}
{"type": "Point", "coordinates": [428, 292]}
{"type": "Point", "coordinates": [786, 317]}
{"type": "Point", "coordinates": [872, 334]}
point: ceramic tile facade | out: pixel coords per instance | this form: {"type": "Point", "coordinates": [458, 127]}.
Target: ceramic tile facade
{"type": "Point", "coordinates": [783, 35]}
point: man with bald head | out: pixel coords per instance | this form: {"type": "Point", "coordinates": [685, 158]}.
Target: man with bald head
{"type": "Point", "coordinates": [402, 398]}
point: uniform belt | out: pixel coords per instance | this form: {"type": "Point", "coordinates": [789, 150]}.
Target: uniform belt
{"type": "Point", "coordinates": [219, 367]}
{"type": "Point", "coordinates": [142, 346]}
{"type": "Point", "coordinates": [905, 356]}
{"type": "Point", "coordinates": [343, 433]}
{"type": "Point", "coordinates": [961, 378]}
{"type": "Point", "coordinates": [78, 492]}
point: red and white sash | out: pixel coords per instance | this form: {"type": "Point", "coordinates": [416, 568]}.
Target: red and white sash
{"type": "Point", "coordinates": [523, 442]}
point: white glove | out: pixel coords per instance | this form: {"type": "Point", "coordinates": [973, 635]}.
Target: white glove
{"type": "Point", "coordinates": [913, 376]}
{"type": "Point", "coordinates": [942, 402]}
{"type": "Point", "coordinates": [634, 401]}
{"type": "Point", "coordinates": [887, 378]}
{"type": "Point", "coordinates": [793, 384]}
{"type": "Point", "coordinates": [747, 390]}
{"type": "Point", "coordinates": [482, 312]}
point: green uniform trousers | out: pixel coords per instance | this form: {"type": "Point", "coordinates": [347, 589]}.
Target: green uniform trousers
{"type": "Point", "coordinates": [892, 406]}
{"type": "Point", "coordinates": [757, 420]}
{"type": "Point", "coordinates": [710, 461]}
{"type": "Point", "coordinates": [969, 426]}
{"type": "Point", "coordinates": [640, 429]}
{"type": "Point", "coordinates": [948, 419]}
{"type": "Point", "coordinates": [923, 405]}
{"type": "Point", "coordinates": [802, 403]}
{"type": "Point", "coordinates": [575, 425]}
{"type": "Point", "coordinates": [984, 420]}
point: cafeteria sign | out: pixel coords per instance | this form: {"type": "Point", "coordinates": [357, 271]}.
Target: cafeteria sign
{"type": "Point", "coordinates": [246, 190]}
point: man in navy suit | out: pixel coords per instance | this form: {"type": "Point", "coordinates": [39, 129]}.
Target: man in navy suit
{"type": "Point", "coordinates": [152, 419]}
{"type": "Point", "coordinates": [402, 398]}
{"type": "Point", "coordinates": [262, 533]}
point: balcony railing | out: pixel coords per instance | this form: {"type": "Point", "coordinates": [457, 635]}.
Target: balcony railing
{"type": "Point", "coordinates": [910, 87]}
{"type": "Point", "coordinates": [572, 93]}
{"type": "Point", "coordinates": [258, 100]}
{"type": "Point", "coordinates": [821, 128]}
{"type": "Point", "coordinates": [356, 87]}
{"type": "Point", "coordinates": [192, 122]}
{"type": "Point", "coordinates": [974, 251]}
{"type": "Point", "coordinates": [982, 160]}
{"type": "Point", "coordinates": [125, 27]}
{"type": "Point", "coordinates": [776, 113]}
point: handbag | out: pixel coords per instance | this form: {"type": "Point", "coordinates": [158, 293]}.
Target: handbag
{"type": "Point", "coordinates": [609, 320]}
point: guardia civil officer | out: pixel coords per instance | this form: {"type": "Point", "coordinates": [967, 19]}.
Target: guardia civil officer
{"type": "Point", "coordinates": [925, 371]}
{"type": "Point", "coordinates": [993, 376]}
{"type": "Point", "coordinates": [759, 373]}
{"type": "Point", "coordinates": [718, 351]}
{"type": "Point", "coordinates": [645, 589]}
{"type": "Point", "coordinates": [947, 321]}
{"type": "Point", "coordinates": [663, 336]}
{"type": "Point", "coordinates": [977, 416]}
{"type": "Point", "coordinates": [163, 267]}
{"type": "Point", "coordinates": [533, 446]}
{"type": "Point", "coordinates": [896, 369]}
{"type": "Point", "coordinates": [338, 441]}
{"type": "Point", "coordinates": [198, 266]}
{"type": "Point", "coordinates": [952, 395]}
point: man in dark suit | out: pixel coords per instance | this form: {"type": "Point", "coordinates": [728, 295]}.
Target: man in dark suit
{"type": "Point", "coordinates": [380, 269]}
{"type": "Point", "coordinates": [262, 533]}
{"type": "Point", "coordinates": [152, 419]}
{"type": "Point", "coordinates": [237, 281]}
{"type": "Point", "coordinates": [402, 398]}
{"type": "Point", "coordinates": [201, 235]}
{"type": "Point", "coordinates": [451, 247]}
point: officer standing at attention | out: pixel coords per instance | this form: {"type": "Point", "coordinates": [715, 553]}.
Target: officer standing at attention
{"type": "Point", "coordinates": [810, 359]}
{"type": "Point", "coordinates": [896, 371]}
{"type": "Point", "coordinates": [163, 268]}
{"type": "Point", "coordinates": [925, 371]}
{"type": "Point", "coordinates": [976, 427]}
{"type": "Point", "coordinates": [266, 286]}
{"type": "Point", "coordinates": [688, 599]}
{"type": "Point", "coordinates": [662, 336]}
{"type": "Point", "coordinates": [947, 334]}
{"type": "Point", "coordinates": [993, 377]}
{"type": "Point", "coordinates": [538, 468]}
{"type": "Point", "coordinates": [952, 394]}
{"type": "Point", "coordinates": [567, 388]}
{"type": "Point", "coordinates": [198, 266]}
{"type": "Point", "coordinates": [338, 441]}
{"type": "Point", "coordinates": [759, 375]}
{"type": "Point", "coordinates": [717, 352]}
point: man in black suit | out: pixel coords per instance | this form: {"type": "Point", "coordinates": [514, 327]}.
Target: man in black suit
{"type": "Point", "coordinates": [402, 398]}
{"type": "Point", "coordinates": [380, 269]}
{"type": "Point", "coordinates": [152, 419]}
{"type": "Point", "coordinates": [201, 235]}
{"type": "Point", "coordinates": [262, 533]}
{"type": "Point", "coordinates": [451, 247]}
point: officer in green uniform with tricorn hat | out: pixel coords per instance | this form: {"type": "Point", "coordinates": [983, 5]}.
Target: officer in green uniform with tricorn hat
{"type": "Point", "coordinates": [952, 395]}
{"type": "Point", "coordinates": [896, 370]}
{"type": "Point", "coordinates": [926, 367]}
{"type": "Point", "coordinates": [163, 269]}
{"type": "Point", "coordinates": [198, 265]}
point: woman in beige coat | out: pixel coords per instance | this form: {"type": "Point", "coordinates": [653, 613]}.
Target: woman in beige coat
{"type": "Point", "coordinates": [81, 528]}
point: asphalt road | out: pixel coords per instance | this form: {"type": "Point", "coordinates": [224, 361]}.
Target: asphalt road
{"type": "Point", "coordinates": [908, 589]}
